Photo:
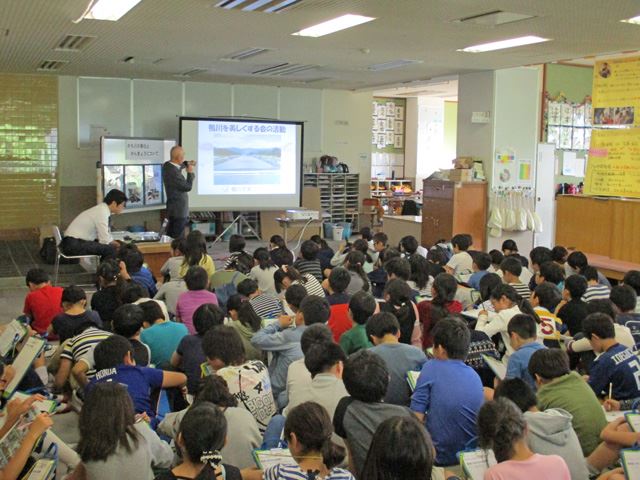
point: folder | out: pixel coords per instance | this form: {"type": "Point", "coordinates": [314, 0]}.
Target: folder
{"type": "Point", "coordinates": [22, 363]}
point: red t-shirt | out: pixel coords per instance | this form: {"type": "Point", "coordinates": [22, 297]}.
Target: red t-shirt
{"type": "Point", "coordinates": [42, 305]}
{"type": "Point", "coordinates": [425, 313]}
{"type": "Point", "coordinates": [339, 321]}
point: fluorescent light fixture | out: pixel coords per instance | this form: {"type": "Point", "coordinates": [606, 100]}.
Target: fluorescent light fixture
{"type": "Point", "coordinates": [111, 10]}
{"type": "Point", "coordinates": [634, 20]}
{"type": "Point", "coordinates": [334, 25]}
{"type": "Point", "coordinates": [501, 44]}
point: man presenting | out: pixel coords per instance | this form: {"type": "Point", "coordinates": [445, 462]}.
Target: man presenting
{"type": "Point", "coordinates": [88, 233]}
{"type": "Point", "coordinates": [177, 189]}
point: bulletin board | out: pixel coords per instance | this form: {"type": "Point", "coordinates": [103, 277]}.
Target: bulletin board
{"type": "Point", "coordinates": [134, 166]}
{"type": "Point", "coordinates": [614, 163]}
{"type": "Point", "coordinates": [613, 168]}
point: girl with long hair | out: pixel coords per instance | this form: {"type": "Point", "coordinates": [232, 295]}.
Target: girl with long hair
{"type": "Point", "coordinates": [442, 304]}
{"type": "Point", "coordinates": [398, 300]}
{"type": "Point", "coordinates": [263, 270]}
{"type": "Point", "coordinates": [195, 254]}
{"type": "Point", "coordinates": [359, 279]}
{"type": "Point", "coordinates": [503, 429]}
{"type": "Point", "coordinates": [200, 439]}
{"type": "Point", "coordinates": [113, 443]}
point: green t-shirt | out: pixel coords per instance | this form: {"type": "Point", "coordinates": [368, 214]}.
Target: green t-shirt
{"type": "Point", "coordinates": [571, 393]}
{"type": "Point", "coordinates": [355, 339]}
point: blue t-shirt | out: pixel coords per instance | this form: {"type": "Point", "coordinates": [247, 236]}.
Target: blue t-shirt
{"type": "Point", "coordinates": [619, 366]}
{"type": "Point", "coordinates": [474, 280]}
{"type": "Point", "coordinates": [518, 366]}
{"type": "Point", "coordinates": [145, 278]}
{"type": "Point", "coordinates": [632, 322]}
{"type": "Point", "coordinates": [163, 339]}
{"type": "Point", "coordinates": [140, 382]}
{"type": "Point", "coordinates": [450, 394]}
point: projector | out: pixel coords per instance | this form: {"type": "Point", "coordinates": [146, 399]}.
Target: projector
{"type": "Point", "coordinates": [303, 214]}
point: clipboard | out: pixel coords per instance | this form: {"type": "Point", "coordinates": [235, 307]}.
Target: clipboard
{"type": "Point", "coordinates": [476, 462]}
{"type": "Point", "coordinates": [11, 336]}
{"type": "Point", "coordinates": [412, 379]}
{"type": "Point", "coordinates": [633, 419]}
{"type": "Point", "coordinates": [275, 456]}
{"type": "Point", "coordinates": [499, 368]}
{"type": "Point", "coordinates": [12, 440]}
{"type": "Point", "coordinates": [630, 459]}
{"type": "Point", "coordinates": [23, 361]}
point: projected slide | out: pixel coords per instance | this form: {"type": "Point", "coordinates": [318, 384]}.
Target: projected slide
{"type": "Point", "coordinates": [244, 158]}
{"type": "Point", "coordinates": [244, 163]}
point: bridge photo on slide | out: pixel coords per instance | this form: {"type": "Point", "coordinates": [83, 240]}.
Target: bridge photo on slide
{"type": "Point", "coordinates": [246, 166]}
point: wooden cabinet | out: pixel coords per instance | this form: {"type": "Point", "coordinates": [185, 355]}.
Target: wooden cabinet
{"type": "Point", "coordinates": [449, 208]}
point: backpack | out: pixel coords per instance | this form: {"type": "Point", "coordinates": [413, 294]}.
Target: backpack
{"type": "Point", "coordinates": [225, 291]}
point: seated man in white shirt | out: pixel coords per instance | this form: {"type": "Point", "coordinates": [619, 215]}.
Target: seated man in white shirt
{"type": "Point", "coordinates": [88, 233]}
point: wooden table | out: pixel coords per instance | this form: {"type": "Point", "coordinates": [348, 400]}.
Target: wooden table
{"type": "Point", "coordinates": [155, 254]}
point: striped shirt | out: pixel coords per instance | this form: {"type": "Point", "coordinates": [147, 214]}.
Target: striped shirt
{"type": "Point", "coordinates": [522, 290]}
{"type": "Point", "coordinates": [312, 285]}
{"type": "Point", "coordinates": [596, 292]}
{"type": "Point", "coordinates": [266, 306]}
{"type": "Point", "coordinates": [309, 266]}
{"type": "Point", "coordinates": [82, 345]}
{"type": "Point", "coordinates": [293, 472]}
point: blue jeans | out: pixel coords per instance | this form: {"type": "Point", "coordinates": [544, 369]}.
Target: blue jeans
{"type": "Point", "coordinates": [273, 433]}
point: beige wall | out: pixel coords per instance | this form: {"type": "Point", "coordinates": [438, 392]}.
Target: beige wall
{"type": "Point", "coordinates": [337, 122]}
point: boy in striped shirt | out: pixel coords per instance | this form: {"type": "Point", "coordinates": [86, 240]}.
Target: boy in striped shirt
{"type": "Point", "coordinates": [511, 268]}
{"type": "Point", "coordinates": [595, 290]}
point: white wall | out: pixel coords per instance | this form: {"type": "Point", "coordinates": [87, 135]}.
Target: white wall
{"type": "Point", "coordinates": [336, 122]}
{"type": "Point", "coordinates": [512, 96]}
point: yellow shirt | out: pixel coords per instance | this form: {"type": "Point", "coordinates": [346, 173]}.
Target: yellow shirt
{"type": "Point", "coordinates": [205, 262]}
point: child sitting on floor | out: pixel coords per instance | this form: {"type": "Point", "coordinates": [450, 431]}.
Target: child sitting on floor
{"type": "Point", "coordinates": [43, 302]}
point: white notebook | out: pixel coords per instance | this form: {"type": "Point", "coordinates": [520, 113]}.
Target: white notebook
{"type": "Point", "coordinates": [11, 335]}
{"type": "Point", "coordinates": [475, 463]}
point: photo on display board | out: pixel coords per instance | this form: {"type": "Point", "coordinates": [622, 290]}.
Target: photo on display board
{"type": "Point", "coordinates": [399, 113]}
{"type": "Point", "coordinates": [553, 113]}
{"type": "Point", "coordinates": [382, 140]}
{"type": "Point", "coordinates": [398, 141]}
{"type": "Point", "coordinates": [389, 126]}
{"type": "Point", "coordinates": [578, 116]}
{"type": "Point", "coordinates": [565, 137]}
{"type": "Point", "coordinates": [152, 184]}
{"type": "Point", "coordinates": [389, 139]}
{"type": "Point", "coordinates": [553, 136]}
{"type": "Point", "coordinates": [398, 126]}
{"type": "Point", "coordinates": [134, 177]}
{"type": "Point", "coordinates": [382, 125]}
{"type": "Point", "coordinates": [613, 116]}
{"type": "Point", "coordinates": [113, 178]}
{"type": "Point", "coordinates": [577, 142]}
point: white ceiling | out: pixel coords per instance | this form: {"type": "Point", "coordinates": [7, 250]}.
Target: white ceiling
{"type": "Point", "coordinates": [167, 37]}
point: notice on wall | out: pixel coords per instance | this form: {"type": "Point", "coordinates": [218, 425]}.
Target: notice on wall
{"type": "Point", "coordinates": [505, 170]}
{"type": "Point", "coordinates": [613, 168]}
{"type": "Point", "coordinates": [616, 92]}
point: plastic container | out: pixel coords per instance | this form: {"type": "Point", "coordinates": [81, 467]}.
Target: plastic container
{"type": "Point", "coordinates": [338, 233]}
{"type": "Point", "coordinates": [327, 228]}
{"type": "Point", "coordinates": [346, 230]}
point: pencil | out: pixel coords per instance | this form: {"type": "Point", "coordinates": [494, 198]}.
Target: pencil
{"type": "Point", "coordinates": [610, 389]}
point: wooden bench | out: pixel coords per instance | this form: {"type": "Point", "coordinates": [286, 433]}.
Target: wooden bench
{"type": "Point", "coordinates": [611, 268]}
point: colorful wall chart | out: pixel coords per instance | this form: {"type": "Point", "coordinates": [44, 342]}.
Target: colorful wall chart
{"type": "Point", "coordinates": [509, 171]}
{"type": "Point", "coordinates": [614, 163]}
{"type": "Point", "coordinates": [616, 97]}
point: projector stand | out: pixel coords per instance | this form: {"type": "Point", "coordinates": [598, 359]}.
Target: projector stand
{"type": "Point", "coordinates": [240, 220]}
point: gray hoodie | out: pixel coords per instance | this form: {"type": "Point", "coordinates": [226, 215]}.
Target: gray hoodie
{"type": "Point", "coordinates": [551, 433]}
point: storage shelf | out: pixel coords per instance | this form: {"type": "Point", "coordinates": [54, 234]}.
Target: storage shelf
{"type": "Point", "coordinates": [339, 193]}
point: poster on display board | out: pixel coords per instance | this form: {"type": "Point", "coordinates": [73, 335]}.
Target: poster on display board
{"type": "Point", "coordinates": [613, 168]}
{"type": "Point", "coordinates": [510, 171]}
{"type": "Point", "coordinates": [615, 98]}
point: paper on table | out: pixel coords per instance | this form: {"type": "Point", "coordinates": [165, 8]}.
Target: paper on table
{"type": "Point", "coordinates": [475, 463]}
{"type": "Point", "coordinates": [631, 462]}
{"type": "Point", "coordinates": [499, 368]}
{"type": "Point", "coordinates": [614, 414]}
{"type": "Point", "coordinates": [471, 313]}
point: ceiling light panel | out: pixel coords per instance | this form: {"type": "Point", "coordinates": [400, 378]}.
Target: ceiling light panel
{"type": "Point", "coordinates": [633, 20]}
{"type": "Point", "coordinates": [284, 69]}
{"type": "Point", "coordinates": [51, 65]}
{"type": "Point", "coordinates": [334, 25]}
{"type": "Point", "coordinates": [502, 44]}
{"type": "Point", "coordinates": [112, 10]}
